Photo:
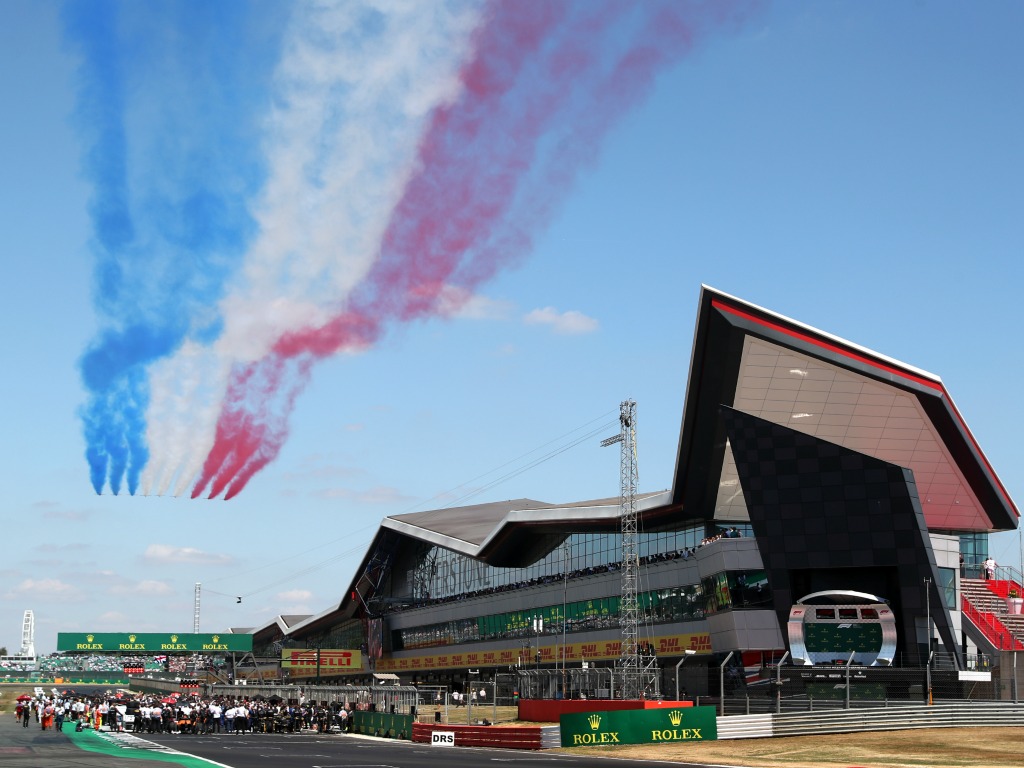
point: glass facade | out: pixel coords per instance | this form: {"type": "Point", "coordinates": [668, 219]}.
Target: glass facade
{"type": "Point", "coordinates": [349, 634]}
{"type": "Point", "coordinates": [442, 574]}
{"type": "Point", "coordinates": [723, 591]}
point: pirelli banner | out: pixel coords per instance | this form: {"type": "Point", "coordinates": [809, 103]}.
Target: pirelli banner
{"type": "Point", "coordinates": [639, 726]}
{"type": "Point", "coordinates": [302, 662]}
{"type": "Point", "coordinates": [100, 642]}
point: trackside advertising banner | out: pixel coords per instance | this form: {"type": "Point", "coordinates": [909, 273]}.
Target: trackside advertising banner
{"type": "Point", "coordinates": [572, 653]}
{"type": "Point", "coordinates": [639, 726]}
{"type": "Point", "coordinates": [303, 663]}
{"type": "Point", "coordinates": [99, 642]}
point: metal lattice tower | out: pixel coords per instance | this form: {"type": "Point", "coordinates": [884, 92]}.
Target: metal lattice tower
{"type": "Point", "coordinates": [28, 634]}
{"type": "Point", "coordinates": [629, 608]}
{"type": "Point", "coordinates": [195, 614]}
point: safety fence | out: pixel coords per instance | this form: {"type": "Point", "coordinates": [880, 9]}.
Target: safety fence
{"type": "Point", "coordinates": [893, 717]}
{"type": "Point", "coordinates": [391, 699]}
{"type": "Point", "coordinates": [785, 687]}
{"type": "Point", "coordinates": [792, 688]}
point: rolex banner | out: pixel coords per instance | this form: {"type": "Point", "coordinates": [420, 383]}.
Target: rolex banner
{"type": "Point", "coordinates": [639, 726]}
{"type": "Point", "coordinates": [144, 643]}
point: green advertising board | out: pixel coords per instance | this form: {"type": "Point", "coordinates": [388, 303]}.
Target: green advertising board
{"type": "Point", "coordinates": [99, 642]}
{"type": "Point", "coordinates": [382, 724]}
{"type": "Point", "coordinates": [639, 726]}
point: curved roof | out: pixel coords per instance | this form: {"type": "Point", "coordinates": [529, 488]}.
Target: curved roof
{"type": "Point", "coordinates": [788, 373]}
{"type": "Point", "coordinates": [520, 531]}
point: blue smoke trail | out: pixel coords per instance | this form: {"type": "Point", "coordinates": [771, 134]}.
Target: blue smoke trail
{"type": "Point", "coordinates": [171, 94]}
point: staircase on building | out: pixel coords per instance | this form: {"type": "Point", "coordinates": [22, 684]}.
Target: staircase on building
{"type": "Point", "coordinates": [998, 629]}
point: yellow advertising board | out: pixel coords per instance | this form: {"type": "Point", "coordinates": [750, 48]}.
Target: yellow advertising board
{"type": "Point", "coordinates": [550, 653]}
{"type": "Point", "coordinates": [302, 662]}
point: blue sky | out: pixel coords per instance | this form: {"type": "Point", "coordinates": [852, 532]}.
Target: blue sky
{"type": "Point", "coordinates": [855, 166]}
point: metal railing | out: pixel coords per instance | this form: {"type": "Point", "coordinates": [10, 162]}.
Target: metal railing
{"type": "Point", "coordinates": [792, 689]}
{"type": "Point", "coordinates": [394, 699]}
{"type": "Point", "coordinates": [890, 718]}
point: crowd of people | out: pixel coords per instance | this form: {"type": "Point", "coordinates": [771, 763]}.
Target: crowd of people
{"type": "Point", "coordinates": [49, 711]}
{"type": "Point", "coordinates": [123, 712]}
{"type": "Point", "coordinates": [111, 662]}
{"type": "Point", "coordinates": [97, 662]}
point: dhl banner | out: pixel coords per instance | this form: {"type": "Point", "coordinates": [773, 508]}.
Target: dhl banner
{"type": "Point", "coordinates": [665, 645]}
{"type": "Point", "coordinates": [302, 662]}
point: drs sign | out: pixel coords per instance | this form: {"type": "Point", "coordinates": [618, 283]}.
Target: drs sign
{"type": "Point", "coordinates": [442, 738]}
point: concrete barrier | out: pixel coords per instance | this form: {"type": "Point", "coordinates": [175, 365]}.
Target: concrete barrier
{"type": "Point", "coordinates": [515, 737]}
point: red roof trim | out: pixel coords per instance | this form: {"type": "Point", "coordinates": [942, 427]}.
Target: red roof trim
{"type": "Point", "coordinates": [827, 345]}
{"type": "Point", "coordinates": [845, 352]}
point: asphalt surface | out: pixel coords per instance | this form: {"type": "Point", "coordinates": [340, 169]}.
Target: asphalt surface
{"type": "Point", "coordinates": [352, 751]}
{"type": "Point", "coordinates": [32, 747]}
{"type": "Point", "coordinates": [343, 751]}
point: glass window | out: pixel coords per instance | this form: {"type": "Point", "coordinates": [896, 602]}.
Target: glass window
{"type": "Point", "coordinates": [440, 574]}
{"type": "Point", "coordinates": [974, 548]}
{"type": "Point", "coordinates": [722, 591]}
{"type": "Point", "coordinates": [947, 587]}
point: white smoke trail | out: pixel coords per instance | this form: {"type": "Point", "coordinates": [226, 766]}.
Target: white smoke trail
{"type": "Point", "coordinates": [187, 388]}
{"type": "Point", "coordinates": [351, 94]}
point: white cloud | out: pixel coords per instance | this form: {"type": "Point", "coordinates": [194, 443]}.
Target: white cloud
{"type": "Point", "coordinates": [569, 322]}
{"type": "Point", "coordinates": [147, 587]}
{"type": "Point", "coordinates": [378, 495]}
{"type": "Point", "coordinates": [71, 547]}
{"type": "Point", "coordinates": [165, 554]}
{"type": "Point", "coordinates": [295, 595]}
{"type": "Point", "coordinates": [325, 472]}
{"type": "Point", "coordinates": [45, 589]}
{"type": "Point", "coordinates": [53, 511]}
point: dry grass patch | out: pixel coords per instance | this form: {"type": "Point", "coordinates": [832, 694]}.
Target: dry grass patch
{"type": "Point", "coordinates": [918, 748]}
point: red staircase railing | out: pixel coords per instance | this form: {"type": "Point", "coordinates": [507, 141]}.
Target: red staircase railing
{"type": "Point", "coordinates": [994, 630]}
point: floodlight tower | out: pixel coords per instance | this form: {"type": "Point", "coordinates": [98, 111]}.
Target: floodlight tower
{"type": "Point", "coordinates": [28, 634]}
{"type": "Point", "coordinates": [195, 610]}
{"type": "Point", "coordinates": [629, 609]}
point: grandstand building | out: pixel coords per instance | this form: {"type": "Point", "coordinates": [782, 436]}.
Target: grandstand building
{"type": "Point", "coordinates": [823, 496]}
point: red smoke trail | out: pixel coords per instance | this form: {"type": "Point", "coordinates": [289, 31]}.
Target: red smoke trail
{"type": "Point", "coordinates": [539, 96]}
{"type": "Point", "coordinates": [249, 432]}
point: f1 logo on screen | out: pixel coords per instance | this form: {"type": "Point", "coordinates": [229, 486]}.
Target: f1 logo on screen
{"type": "Point", "coordinates": [442, 739]}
